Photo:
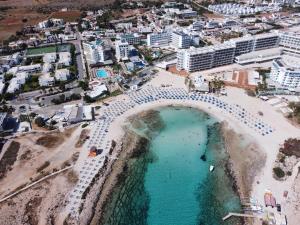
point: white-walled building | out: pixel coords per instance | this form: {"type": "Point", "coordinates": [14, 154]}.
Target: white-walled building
{"type": "Point", "coordinates": [62, 74]}
{"type": "Point", "coordinates": [197, 59]}
{"type": "Point", "coordinates": [290, 41]}
{"type": "Point", "coordinates": [49, 58]}
{"type": "Point", "coordinates": [180, 40]}
{"type": "Point", "coordinates": [286, 72]}
{"type": "Point", "coordinates": [65, 58]}
{"type": "Point", "coordinates": [94, 51]}
{"type": "Point", "coordinates": [161, 39]}
{"type": "Point", "coordinates": [46, 80]}
{"type": "Point", "coordinates": [122, 50]}
{"type": "Point", "coordinates": [132, 39]}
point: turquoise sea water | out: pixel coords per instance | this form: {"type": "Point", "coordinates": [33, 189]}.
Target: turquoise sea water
{"type": "Point", "coordinates": [171, 185]}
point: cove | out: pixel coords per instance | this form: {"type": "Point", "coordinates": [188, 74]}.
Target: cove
{"type": "Point", "coordinates": [169, 184]}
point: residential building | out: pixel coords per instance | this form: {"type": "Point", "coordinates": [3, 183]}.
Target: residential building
{"type": "Point", "coordinates": [122, 50]}
{"type": "Point", "coordinates": [30, 69]}
{"type": "Point", "coordinates": [180, 40]}
{"type": "Point", "coordinates": [161, 39]}
{"type": "Point", "coordinates": [266, 41]}
{"type": "Point", "coordinates": [254, 43]}
{"type": "Point", "coordinates": [65, 59]}
{"type": "Point", "coordinates": [46, 80]}
{"type": "Point", "coordinates": [62, 74]}
{"type": "Point", "coordinates": [193, 59]}
{"type": "Point", "coordinates": [47, 67]}
{"type": "Point", "coordinates": [132, 39]}
{"type": "Point", "coordinates": [14, 85]}
{"type": "Point", "coordinates": [49, 58]}
{"type": "Point", "coordinates": [286, 72]}
{"type": "Point", "coordinates": [243, 45]}
{"type": "Point", "coordinates": [94, 51]}
{"type": "Point", "coordinates": [290, 41]}
{"type": "Point", "coordinates": [223, 54]}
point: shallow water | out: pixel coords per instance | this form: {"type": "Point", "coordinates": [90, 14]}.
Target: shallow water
{"type": "Point", "coordinates": [171, 185]}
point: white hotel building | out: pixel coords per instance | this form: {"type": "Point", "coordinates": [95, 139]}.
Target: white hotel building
{"type": "Point", "coordinates": [290, 41]}
{"type": "Point", "coordinates": [193, 60]}
{"type": "Point", "coordinates": [196, 59]}
{"type": "Point", "coordinates": [286, 72]}
{"type": "Point", "coordinates": [93, 51]}
{"type": "Point", "coordinates": [161, 39]}
{"type": "Point", "coordinates": [180, 40]}
{"type": "Point", "coordinates": [122, 50]}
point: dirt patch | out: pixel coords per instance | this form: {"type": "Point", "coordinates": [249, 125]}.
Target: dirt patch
{"type": "Point", "coordinates": [291, 147]}
{"type": "Point", "coordinates": [9, 158]}
{"type": "Point", "coordinates": [50, 141]}
{"type": "Point", "coordinates": [72, 177]}
{"type": "Point", "coordinates": [67, 16]}
{"type": "Point", "coordinates": [82, 138]}
{"type": "Point", "coordinates": [31, 208]}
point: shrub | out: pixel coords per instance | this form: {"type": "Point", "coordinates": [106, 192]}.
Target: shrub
{"type": "Point", "coordinates": [278, 172]}
{"type": "Point", "coordinates": [39, 121]}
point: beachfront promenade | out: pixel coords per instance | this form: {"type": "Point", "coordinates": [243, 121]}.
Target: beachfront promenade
{"type": "Point", "coordinates": [108, 113]}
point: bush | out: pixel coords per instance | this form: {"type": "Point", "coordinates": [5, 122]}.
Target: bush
{"type": "Point", "coordinates": [39, 121]}
{"type": "Point", "coordinates": [43, 166]}
{"type": "Point", "coordinates": [278, 172]}
{"type": "Point", "coordinates": [84, 125]}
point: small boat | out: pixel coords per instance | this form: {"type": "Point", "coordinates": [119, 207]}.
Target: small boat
{"type": "Point", "coordinates": [211, 168]}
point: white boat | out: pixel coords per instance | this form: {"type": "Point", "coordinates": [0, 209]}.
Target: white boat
{"type": "Point", "coordinates": [211, 168]}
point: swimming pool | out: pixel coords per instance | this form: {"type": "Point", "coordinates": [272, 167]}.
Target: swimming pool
{"type": "Point", "coordinates": [102, 73]}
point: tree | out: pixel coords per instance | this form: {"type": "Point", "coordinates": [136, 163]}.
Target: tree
{"type": "Point", "coordinates": [39, 121]}
{"type": "Point", "coordinates": [84, 85]}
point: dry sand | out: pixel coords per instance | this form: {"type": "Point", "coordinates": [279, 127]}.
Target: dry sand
{"type": "Point", "coordinates": [43, 202]}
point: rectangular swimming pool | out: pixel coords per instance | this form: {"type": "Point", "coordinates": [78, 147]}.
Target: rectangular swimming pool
{"type": "Point", "coordinates": [101, 73]}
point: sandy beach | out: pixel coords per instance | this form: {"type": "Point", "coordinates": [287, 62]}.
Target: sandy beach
{"type": "Point", "coordinates": [254, 164]}
{"type": "Point", "coordinates": [251, 164]}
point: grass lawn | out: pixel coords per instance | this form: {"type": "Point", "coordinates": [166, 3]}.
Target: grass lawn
{"type": "Point", "coordinates": [41, 50]}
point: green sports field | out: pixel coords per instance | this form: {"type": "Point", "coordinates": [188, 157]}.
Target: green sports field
{"type": "Point", "coordinates": [41, 50]}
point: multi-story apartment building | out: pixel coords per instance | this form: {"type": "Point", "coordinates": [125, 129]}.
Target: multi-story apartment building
{"type": "Point", "coordinates": [132, 39]}
{"type": "Point", "coordinates": [94, 51]}
{"type": "Point", "coordinates": [243, 45]}
{"type": "Point", "coordinates": [286, 72]}
{"type": "Point", "coordinates": [122, 50]}
{"type": "Point", "coordinates": [180, 40]}
{"type": "Point", "coordinates": [193, 60]}
{"type": "Point", "coordinates": [290, 41]}
{"type": "Point", "coordinates": [208, 57]}
{"type": "Point", "coordinates": [265, 41]}
{"type": "Point", "coordinates": [254, 43]}
{"type": "Point", "coordinates": [159, 39]}
{"type": "Point", "coordinates": [223, 54]}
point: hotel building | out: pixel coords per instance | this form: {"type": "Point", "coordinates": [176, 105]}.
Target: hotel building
{"type": "Point", "coordinates": [180, 40]}
{"type": "Point", "coordinates": [159, 39]}
{"type": "Point", "coordinates": [193, 59]}
{"type": "Point", "coordinates": [286, 72]}
{"type": "Point", "coordinates": [93, 51]}
{"type": "Point", "coordinates": [208, 57]}
{"type": "Point", "coordinates": [290, 41]}
{"type": "Point", "coordinates": [122, 50]}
